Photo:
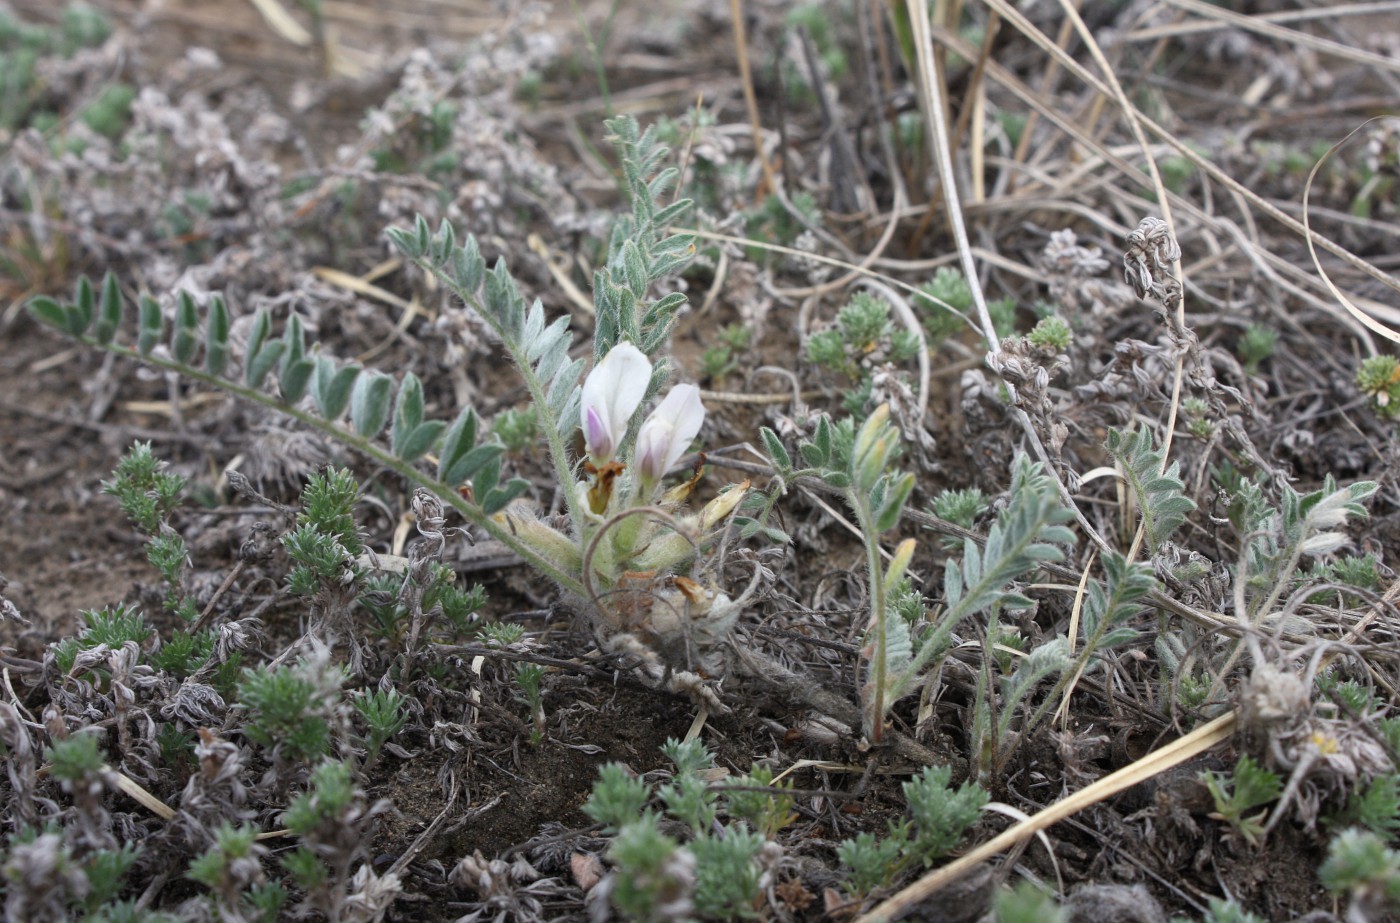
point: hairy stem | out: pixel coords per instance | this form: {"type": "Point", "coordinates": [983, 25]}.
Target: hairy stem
{"type": "Point", "coordinates": [470, 511]}
{"type": "Point", "coordinates": [558, 454]}
{"type": "Point", "coordinates": [875, 717]}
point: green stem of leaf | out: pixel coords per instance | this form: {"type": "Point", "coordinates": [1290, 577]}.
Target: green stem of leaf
{"type": "Point", "coordinates": [470, 511]}
{"type": "Point", "coordinates": [865, 516]}
{"type": "Point", "coordinates": [558, 453]}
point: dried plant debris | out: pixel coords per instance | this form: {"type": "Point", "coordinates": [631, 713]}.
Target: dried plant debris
{"type": "Point", "coordinates": [488, 465]}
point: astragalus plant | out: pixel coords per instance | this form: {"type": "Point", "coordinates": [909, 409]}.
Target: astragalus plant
{"type": "Point", "coordinates": [623, 548]}
{"type": "Point", "coordinates": [899, 651]}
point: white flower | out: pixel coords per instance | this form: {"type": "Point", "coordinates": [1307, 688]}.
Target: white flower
{"type": "Point", "coordinates": [668, 431]}
{"type": "Point", "coordinates": [611, 394]}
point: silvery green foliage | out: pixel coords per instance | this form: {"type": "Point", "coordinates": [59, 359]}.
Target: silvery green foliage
{"type": "Point", "coordinates": [1361, 866]}
{"type": "Point", "coordinates": [1160, 492]}
{"type": "Point", "coordinates": [1309, 520]}
{"type": "Point", "coordinates": [995, 730]}
{"type": "Point", "coordinates": [1024, 536]}
{"type": "Point", "coordinates": [1108, 609]}
{"type": "Point", "coordinates": [540, 350]}
{"type": "Point", "coordinates": [693, 854]}
{"type": "Point", "coordinates": [1303, 525]}
{"type": "Point", "coordinates": [261, 354]}
{"type": "Point", "coordinates": [1049, 659]}
{"type": "Point", "coordinates": [334, 388]}
{"type": "Point", "coordinates": [938, 817]}
{"type": "Point", "coordinates": [862, 465]}
{"type": "Point", "coordinates": [640, 253]}
{"type": "Point", "coordinates": [184, 339]}
{"type": "Point", "coordinates": [74, 318]}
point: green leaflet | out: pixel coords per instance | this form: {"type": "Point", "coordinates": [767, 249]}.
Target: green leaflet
{"type": "Point", "coordinates": [369, 403]}
{"type": "Point", "coordinates": [294, 373]}
{"type": "Point", "coordinates": [80, 312]}
{"type": "Point", "coordinates": [331, 387]}
{"type": "Point", "coordinates": [216, 348]}
{"type": "Point", "coordinates": [183, 339]}
{"type": "Point", "coordinates": [1160, 492]}
{"type": "Point", "coordinates": [262, 355]}
{"type": "Point", "coordinates": [109, 315]}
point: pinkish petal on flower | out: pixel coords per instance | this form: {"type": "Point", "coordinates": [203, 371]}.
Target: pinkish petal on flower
{"type": "Point", "coordinates": [668, 432]}
{"type": "Point", "coordinates": [596, 435]}
{"type": "Point", "coordinates": [653, 445]}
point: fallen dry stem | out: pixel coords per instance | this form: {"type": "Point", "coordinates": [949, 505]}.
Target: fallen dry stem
{"type": "Point", "coordinates": [1153, 764]}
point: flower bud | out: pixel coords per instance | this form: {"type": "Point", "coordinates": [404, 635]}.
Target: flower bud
{"type": "Point", "coordinates": [667, 432]}
{"type": "Point", "coordinates": [874, 444]}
